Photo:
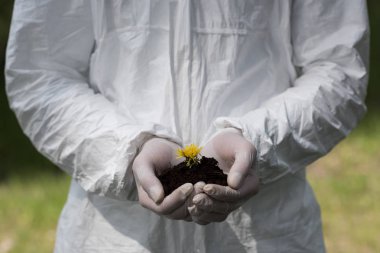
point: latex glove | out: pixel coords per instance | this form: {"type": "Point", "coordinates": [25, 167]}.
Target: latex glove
{"type": "Point", "coordinates": [156, 155]}
{"type": "Point", "coordinates": [198, 189]}
{"type": "Point", "coordinates": [235, 156]}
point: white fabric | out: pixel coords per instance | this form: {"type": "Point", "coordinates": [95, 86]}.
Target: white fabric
{"type": "Point", "coordinates": [91, 81]}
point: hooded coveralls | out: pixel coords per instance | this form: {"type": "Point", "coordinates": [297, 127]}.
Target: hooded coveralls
{"type": "Point", "coordinates": [91, 81]}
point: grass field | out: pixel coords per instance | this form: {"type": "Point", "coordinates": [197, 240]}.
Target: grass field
{"type": "Point", "coordinates": [346, 183]}
{"type": "Point", "coordinates": [29, 211]}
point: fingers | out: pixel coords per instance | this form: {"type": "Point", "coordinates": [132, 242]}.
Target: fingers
{"type": "Point", "coordinates": [156, 156]}
{"type": "Point", "coordinates": [170, 203]}
{"type": "Point", "coordinates": [222, 193]}
{"type": "Point", "coordinates": [216, 202]}
{"type": "Point", "coordinates": [146, 178]}
{"type": "Point", "coordinates": [198, 188]}
{"type": "Point", "coordinates": [208, 204]}
{"type": "Point", "coordinates": [194, 214]}
{"type": "Point", "coordinates": [249, 188]}
{"type": "Point", "coordinates": [234, 153]}
{"type": "Point", "coordinates": [176, 199]}
{"type": "Point", "coordinates": [202, 217]}
{"type": "Point", "coordinates": [206, 210]}
{"type": "Point", "coordinates": [182, 212]}
{"type": "Point", "coordinates": [242, 164]}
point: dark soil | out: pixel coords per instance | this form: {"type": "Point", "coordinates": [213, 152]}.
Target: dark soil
{"type": "Point", "coordinates": [206, 171]}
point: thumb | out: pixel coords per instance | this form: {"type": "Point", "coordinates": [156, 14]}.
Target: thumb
{"type": "Point", "coordinates": [148, 181]}
{"type": "Point", "coordinates": [240, 168]}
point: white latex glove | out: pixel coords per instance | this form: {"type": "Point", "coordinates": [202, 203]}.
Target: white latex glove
{"type": "Point", "coordinates": [235, 156]}
{"type": "Point", "coordinates": [156, 155]}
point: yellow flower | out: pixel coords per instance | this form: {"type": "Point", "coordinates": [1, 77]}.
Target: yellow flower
{"type": "Point", "coordinates": [190, 153]}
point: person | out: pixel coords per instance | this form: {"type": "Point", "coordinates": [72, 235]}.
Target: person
{"type": "Point", "coordinates": [108, 90]}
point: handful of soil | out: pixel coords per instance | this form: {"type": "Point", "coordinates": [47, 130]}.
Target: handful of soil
{"type": "Point", "coordinates": [207, 170]}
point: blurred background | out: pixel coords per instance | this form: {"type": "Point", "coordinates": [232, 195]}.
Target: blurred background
{"type": "Point", "coordinates": [346, 182]}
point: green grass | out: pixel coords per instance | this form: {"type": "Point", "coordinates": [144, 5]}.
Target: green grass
{"type": "Point", "coordinates": [29, 212]}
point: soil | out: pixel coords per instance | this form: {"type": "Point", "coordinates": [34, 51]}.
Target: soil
{"type": "Point", "coordinates": [206, 171]}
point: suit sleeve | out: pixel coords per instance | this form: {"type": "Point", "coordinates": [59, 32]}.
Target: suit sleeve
{"type": "Point", "coordinates": [82, 132]}
{"type": "Point", "coordinates": [291, 130]}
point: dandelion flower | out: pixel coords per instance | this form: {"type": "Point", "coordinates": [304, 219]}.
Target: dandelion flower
{"type": "Point", "coordinates": [190, 153]}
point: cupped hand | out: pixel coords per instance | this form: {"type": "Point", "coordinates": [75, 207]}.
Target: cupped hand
{"type": "Point", "coordinates": [235, 156]}
{"type": "Point", "coordinates": [157, 155]}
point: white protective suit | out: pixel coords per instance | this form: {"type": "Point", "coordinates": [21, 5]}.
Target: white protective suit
{"type": "Point", "coordinates": [91, 81]}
